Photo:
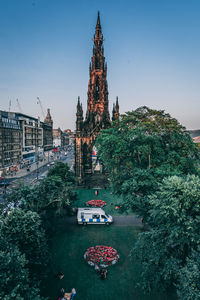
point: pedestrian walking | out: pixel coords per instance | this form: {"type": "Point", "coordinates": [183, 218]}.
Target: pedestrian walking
{"type": "Point", "coordinates": [73, 293]}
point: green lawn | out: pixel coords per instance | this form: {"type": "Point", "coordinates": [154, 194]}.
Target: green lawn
{"type": "Point", "coordinates": [68, 247]}
{"type": "Point", "coordinates": [106, 195]}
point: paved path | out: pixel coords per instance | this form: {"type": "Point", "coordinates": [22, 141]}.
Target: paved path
{"type": "Point", "coordinates": [117, 221]}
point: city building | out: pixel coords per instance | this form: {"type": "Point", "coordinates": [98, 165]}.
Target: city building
{"type": "Point", "coordinates": [196, 140]}
{"type": "Point", "coordinates": [57, 138]}
{"type": "Point", "coordinates": [23, 139]}
{"type": "Point", "coordinates": [60, 138]}
{"type": "Point", "coordinates": [10, 141]}
{"type": "Point", "coordinates": [97, 115]}
{"type": "Point", "coordinates": [48, 132]}
{"type": "Point", "coordinates": [195, 135]}
{"type": "Point", "coordinates": [37, 137]}
{"type": "Point", "coordinates": [65, 139]}
{"type": "Point", "coordinates": [71, 136]}
{"type": "Point", "coordinates": [32, 140]}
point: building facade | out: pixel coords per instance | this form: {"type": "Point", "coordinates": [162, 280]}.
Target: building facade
{"type": "Point", "coordinates": [47, 126]}
{"type": "Point", "coordinates": [65, 140]}
{"type": "Point", "coordinates": [57, 138]}
{"type": "Point", "coordinates": [23, 139]}
{"type": "Point", "coordinates": [32, 140]}
{"type": "Point", "coordinates": [71, 136]}
{"type": "Point", "coordinates": [97, 115]}
{"type": "Point", "coordinates": [37, 137]}
{"type": "Point", "coordinates": [10, 140]}
{"type": "Point", "coordinates": [60, 138]}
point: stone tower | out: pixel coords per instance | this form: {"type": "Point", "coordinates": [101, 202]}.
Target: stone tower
{"type": "Point", "coordinates": [115, 112]}
{"type": "Point", "coordinates": [48, 120]}
{"type": "Point", "coordinates": [97, 115]}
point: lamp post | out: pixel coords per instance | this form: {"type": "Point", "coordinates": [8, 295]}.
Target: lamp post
{"type": "Point", "coordinates": [3, 172]}
{"type": "Point", "coordinates": [36, 149]}
{"type": "Point", "coordinates": [4, 181]}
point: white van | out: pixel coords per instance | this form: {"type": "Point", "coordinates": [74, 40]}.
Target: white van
{"type": "Point", "coordinates": [93, 216]}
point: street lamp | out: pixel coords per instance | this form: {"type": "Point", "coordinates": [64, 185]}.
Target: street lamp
{"type": "Point", "coordinates": [3, 173]}
{"type": "Point", "coordinates": [36, 149]}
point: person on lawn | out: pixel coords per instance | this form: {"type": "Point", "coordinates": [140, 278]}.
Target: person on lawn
{"type": "Point", "coordinates": [103, 274]}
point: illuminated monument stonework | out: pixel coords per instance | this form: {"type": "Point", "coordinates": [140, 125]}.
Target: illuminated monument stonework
{"type": "Point", "coordinates": [97, 115]}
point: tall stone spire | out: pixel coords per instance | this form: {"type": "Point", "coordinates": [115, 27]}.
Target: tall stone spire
{"type": "Point", "coordinates": [98, 88]}
{"type": "Point", "coordinates": [79, 116]}
{"type": "Point", "coordinates": [98, 37]}
{"type": "Point", "coordinates": [97, 115]}
{"type": "Point", "coordinates": [115, 112]}
{"type": "Point", "coordinates": [48, 120]}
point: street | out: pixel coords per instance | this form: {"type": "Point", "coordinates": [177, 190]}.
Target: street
{"type": "Point", "coordinates": [34, 176]}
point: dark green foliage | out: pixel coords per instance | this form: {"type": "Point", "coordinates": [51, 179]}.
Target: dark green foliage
{"type": "Point", "coordinates": [14, 275]}
{"type": "Point", "coordinates": [50, 190]}
{"type": "Point", "coordinates": [24, 197]}
{"type": "Point", "coordinates": [53, 195]}
{"type": "Point", "coordinates": [188, 287]}
{"type": "Point", "coordinates": [23, 229]}
{"type": "Point", "coordinates": [57, 189]}
{"type": "Point", "coordinates": [139, 152]}
{"type": "Point", "coordinates": [174, 217]}
{"type": "Point", "coordinates": [141, 149]}
{"type": "Point", "coordinates": [62, 170]}
{"type": "Point", "coordinates": [27, 212]}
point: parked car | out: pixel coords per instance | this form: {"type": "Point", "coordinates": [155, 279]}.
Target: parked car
{"type": "Point", "coordinates": [4, 184]}
{"type": "Point", "coordinates": [41, 177]}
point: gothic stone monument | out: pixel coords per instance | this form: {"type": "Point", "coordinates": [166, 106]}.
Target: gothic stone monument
{"type": "Point", "coordinates": [97, 115]}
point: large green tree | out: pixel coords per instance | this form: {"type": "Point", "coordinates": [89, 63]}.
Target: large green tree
{"type": "Point", "coordinates": [142, 148]}
{"type": "Point", "coordinates": [174, 218]}
{"type": "Point", "coordinates": [23, 229]}
{"type": "Point", "coordinates": [62, 170]}
{"type": "Point", "coordinates": [55, 193]}
{"type": "Point", "coordinates": [188, 287]}
{"type": "Point", "coordinates": [27, 211]}
{"type": "Point", "coordinates": [26, 197]}
{"type": "Point", "coordinates": [15, 282]}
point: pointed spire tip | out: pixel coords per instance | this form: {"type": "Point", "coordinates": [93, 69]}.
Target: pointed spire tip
{"type": "Point", "coordinates": [98, 19]}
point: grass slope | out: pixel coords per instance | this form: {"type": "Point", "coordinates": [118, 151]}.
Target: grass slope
{"type": "Point", "coordinates": [68, 247]}
{"type": "Point", "coordinates": [106, 195]}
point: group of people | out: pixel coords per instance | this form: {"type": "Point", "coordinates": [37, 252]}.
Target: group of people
{"type": "Point", "coordinates": [67, 296]}
{"type": "Point", "coordinates": [102, 271]}
{"type": "Point", "coordinates": [63, 295]}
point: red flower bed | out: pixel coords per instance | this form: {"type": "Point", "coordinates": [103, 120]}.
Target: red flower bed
{"type": "Point", "coordinates": [103, 256]}
{"type": "Point", "coordinates": [96, 203]}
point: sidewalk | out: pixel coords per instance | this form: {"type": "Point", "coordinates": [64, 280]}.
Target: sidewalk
{"type": "Point", "coordinates": [23, 172]}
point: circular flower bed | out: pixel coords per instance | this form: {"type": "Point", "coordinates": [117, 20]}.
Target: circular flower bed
{"type": "Point", "coordinates": [102, 256]}
{"type": "Point", "coordinates": [96, 203]}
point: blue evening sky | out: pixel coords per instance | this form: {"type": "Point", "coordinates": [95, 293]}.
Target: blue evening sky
{"type": "Point", "coordinates": [152, 48]}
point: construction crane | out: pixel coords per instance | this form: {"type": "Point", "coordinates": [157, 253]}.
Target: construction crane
{"type": "Point", "coordinates": [19, 106]}
{"type": "Point", "coordinates": [9, 107]}
{"type": "Point", "coordinates": [40, 103]}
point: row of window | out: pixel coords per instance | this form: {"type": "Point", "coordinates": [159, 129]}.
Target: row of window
{"type": "Point", "coordinates": [11, 121]}
{"type": "Point", "coordinates": [10, 155]}
{"type": "Point", "coordinates": [7, 147]}
{"type": "Point", "coordinates": [10, 132]}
